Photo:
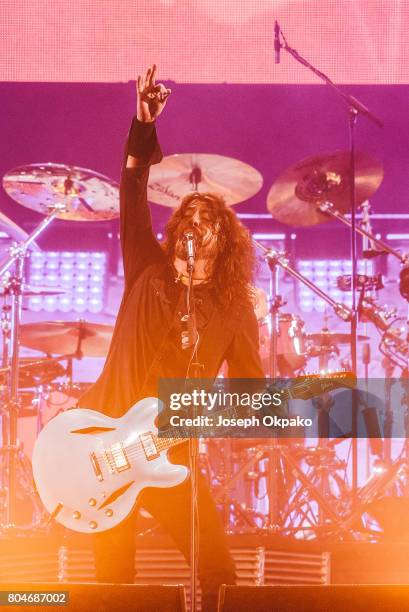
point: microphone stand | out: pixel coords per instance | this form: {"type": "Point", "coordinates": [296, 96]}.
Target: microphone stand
{"type": "Point", "coordinates": [193, 442]}
{"type": "Point", "coordinates": [354, 109]}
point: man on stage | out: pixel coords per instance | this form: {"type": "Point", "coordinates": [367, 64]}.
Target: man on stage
{"type": "Point", "coordinates": [149, 342]}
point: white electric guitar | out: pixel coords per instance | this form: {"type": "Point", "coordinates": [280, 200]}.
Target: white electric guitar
{"type": "Point", "coordinates": [89, 469]}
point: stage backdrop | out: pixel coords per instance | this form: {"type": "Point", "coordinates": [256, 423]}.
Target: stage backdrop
{"type": "Point", "coordinates": [203, 41]}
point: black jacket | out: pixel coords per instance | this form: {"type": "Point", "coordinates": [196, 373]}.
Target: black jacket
{"type": "Point", "coordinates": [146, 340]}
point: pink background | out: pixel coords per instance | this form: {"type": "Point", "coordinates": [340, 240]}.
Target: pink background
{"type": "Point", "coordinates": [203, 41]}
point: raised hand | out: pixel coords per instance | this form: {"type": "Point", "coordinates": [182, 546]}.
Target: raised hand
{"type": "Point", "coordinates": [151, 98]}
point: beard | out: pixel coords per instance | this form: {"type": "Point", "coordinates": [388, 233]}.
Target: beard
{"type": "Point", "coordinates": [206, 246]}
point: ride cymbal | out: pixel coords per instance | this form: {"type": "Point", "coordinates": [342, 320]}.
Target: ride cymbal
{"type": "Point", "coordinates": [296, 194]}
{"type": "Point", "coordinates": [183, 173]}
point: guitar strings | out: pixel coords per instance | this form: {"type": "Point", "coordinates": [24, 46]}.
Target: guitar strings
{"type": "Point", "coordinates": [136, 449]}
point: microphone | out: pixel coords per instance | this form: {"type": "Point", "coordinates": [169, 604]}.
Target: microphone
{"type": "Point", "coordinates": [277, 44]}
{"type": "Point", "coordinates": [189, 240]}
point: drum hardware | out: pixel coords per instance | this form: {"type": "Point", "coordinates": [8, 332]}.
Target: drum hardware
{"type": "Point", "coordinates": [231, 507]}
{"type": "Point", "coordinates": [276, 259]}
{"type": "Point", "coordinates": [363, 282]}
{"type": "Point", "coordinates": [329, 209]}
{"type": "Point", "coordinates": [392, 345]}
{"type": "Point", "coordinates": [180, 174]}
{"type": "Point", "coordinates": [301, 491]}
{"type": "Point", "coordinates": [280, 259]}
{"type": "Point", "coordinates": [57, 191]}
{"type": "Point", "coordinates": [13, 462]}
{"type": "Point", "coordinates": [15, 232]}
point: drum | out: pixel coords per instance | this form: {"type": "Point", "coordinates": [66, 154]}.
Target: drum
{"type": "Point", "coordinates": [291, 351]}
{"type": "Point", "coordinates": [39, 406]}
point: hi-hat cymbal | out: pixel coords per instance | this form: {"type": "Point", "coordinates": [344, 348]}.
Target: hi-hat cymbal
{"type": "Point", "coordinates": [86, 195]}
{"type": "Point", "coordinates": [67, 337]}
{"type": "Point", "coordinates": [330, 338]}
{"type": "Point", "coordinates": [296, 194]}
{"type": "Point", "coordinates": [33, 372]}
{"type": "Point", "coordinates": [180, 174]}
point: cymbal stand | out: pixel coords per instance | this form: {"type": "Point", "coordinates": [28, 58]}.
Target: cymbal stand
{"type": "Point", "coordinates": [281, 259]}
{"type": "Point", "coordinates": [384, 248]}
{"type": "Point", "coordinates": [274, 448]}
{"type": "Point", "coordinates": [10, 451]}
{"type": "Point", "coordinates": [274, 260]}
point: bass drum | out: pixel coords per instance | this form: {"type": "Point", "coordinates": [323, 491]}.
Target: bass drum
{"type": "Point", "coordinates": [57, 398]}
{"type": "Point", "coordinates": [39, 406]}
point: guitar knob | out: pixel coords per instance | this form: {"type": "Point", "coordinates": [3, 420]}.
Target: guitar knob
{"type": "Point", "coordinates": [92, 502]}
{"type": "Point", "coordinates": [76, 514]}
{"type": "Point", "coordinates": [109, 512]}
{"type": "Point", "coordinates": [93, 524]}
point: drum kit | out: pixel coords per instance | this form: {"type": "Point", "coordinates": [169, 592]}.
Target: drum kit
{"type": "Point", "coordinates": [313, 191]}
{"type": "Point", "coordinates": [56, 191]}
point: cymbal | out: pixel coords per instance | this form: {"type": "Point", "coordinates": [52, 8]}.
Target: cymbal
{"type": "Point", "coordinates": [87, 195]}
{"type": "Point", "coordinates": [67, 337]}
{"type": "Point", "coordinates": [294, 197]}
{"type": "Point", "coordinates": [331, 338]}
{"type": "Point", "coordinates": [183, 173]}
{"type": "Point", "coordinates": [33, 372]}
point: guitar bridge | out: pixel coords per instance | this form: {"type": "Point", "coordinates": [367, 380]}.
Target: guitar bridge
{"type": "Point", "coordinates": [149, 446]}
{"type": "Point", "coordinates": [96, 467]}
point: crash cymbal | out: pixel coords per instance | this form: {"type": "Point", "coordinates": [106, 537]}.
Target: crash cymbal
{"type": "Point", "coordinates": [87, 195]}
{"type": "Point", "coordinates": [67, 337]}
{"type": "Point", "coordinates": [180, 174]}
{"type": "Point", "coordinates": [331, 338]}
{"type": "Point", "coordinates": [294, 197]}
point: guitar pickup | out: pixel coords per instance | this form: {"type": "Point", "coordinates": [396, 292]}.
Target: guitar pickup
{"type": "Point", "coordinates": [116, 458]}
{"type": "Point", "coordinates": [149, 446]}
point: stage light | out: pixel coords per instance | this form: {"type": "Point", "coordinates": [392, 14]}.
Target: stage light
{"type": "Point", "coordinates": [81, 274]}
{"type": "Point", "coordinates": [323, 273]}
{"type": "Point", "coordinates": [379, 467]}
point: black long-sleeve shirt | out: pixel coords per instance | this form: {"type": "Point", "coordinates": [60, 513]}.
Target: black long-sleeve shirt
{"type": "Point", "coordinates": [146, 341]}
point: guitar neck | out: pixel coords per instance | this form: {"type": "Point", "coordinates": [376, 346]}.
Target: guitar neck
{"type": "Point", "coordinates": [168, 439]}
{"type": "Point", "coordinates": [303, 388]}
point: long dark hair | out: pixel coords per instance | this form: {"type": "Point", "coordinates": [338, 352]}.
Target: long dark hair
{"type": "Point", "coordinates": [234, 265]}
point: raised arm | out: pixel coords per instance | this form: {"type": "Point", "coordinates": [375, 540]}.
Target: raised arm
{"type": "Point", "coordinates": [139, 245]}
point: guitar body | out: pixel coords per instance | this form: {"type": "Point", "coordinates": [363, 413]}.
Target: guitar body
{"type": "Point", "coordinates": [89, 469]}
